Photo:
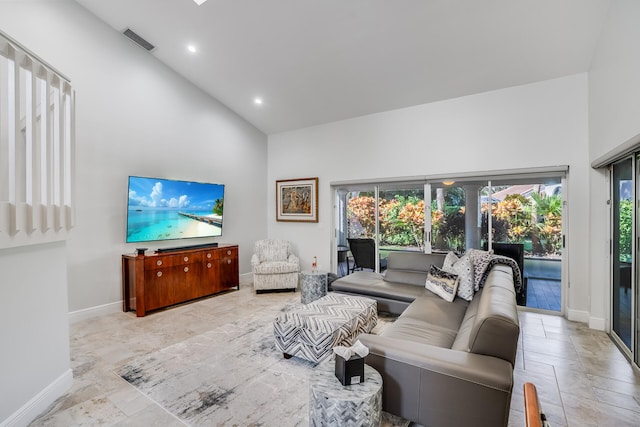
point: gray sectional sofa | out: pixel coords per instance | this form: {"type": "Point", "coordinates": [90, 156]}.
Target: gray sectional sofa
{"type": "Point", "coordinates": [443, 363]}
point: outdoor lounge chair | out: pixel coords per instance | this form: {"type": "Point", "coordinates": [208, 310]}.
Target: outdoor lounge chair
{"type": "Point", "coordinates": [364, 254]}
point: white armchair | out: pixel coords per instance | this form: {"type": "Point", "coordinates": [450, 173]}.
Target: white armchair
{"type": "Point", "coordinates": [274, 266]}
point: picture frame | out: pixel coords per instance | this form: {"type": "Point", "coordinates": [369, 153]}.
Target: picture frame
{"type": "Point", "coordinates": [297, 200]}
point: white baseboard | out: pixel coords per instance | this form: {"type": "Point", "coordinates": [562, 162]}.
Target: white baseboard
{"type": "Point", "coordinates": [598, 323]}
{"type": "Point", "coordinates": [30, 410]}
{"type": "Point", "coordinates": [99, 310]}
{"type": "Point", "coordinates": [116, 307]}
{"type": "Point", "coordinates": [578, 316]}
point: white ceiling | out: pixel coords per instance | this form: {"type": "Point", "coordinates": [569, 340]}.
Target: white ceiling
{"type": "Point", "coordinates": [318, 61]}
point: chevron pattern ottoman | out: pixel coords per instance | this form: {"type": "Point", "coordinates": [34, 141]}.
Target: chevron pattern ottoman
{"type": "Point", "coordinates": [311, 331]}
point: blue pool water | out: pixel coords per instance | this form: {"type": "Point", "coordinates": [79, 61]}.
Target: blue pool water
{"type": "Point", "coordinates": [149, 224]}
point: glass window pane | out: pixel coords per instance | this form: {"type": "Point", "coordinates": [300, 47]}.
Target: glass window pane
{"type": "Point", "coordinates": [361, 214]}
{"type": "Point", "coordinates": [402, 219]}
{"type": "Point", "coordinates": [529, 215]}
{"type": "Point", "coordinates": [622, 249]}
{"type": "Point", "coordinates": [447, 218]}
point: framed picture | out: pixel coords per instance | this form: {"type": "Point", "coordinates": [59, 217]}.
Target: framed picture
{"type": "Point", "coordinates": [297, 200]}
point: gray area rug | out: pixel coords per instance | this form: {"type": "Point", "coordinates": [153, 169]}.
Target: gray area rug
{"type": "Point", "coordinates": [231, 375]}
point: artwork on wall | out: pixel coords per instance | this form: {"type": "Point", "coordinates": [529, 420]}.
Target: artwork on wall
{"type": "Point", "coordinates": [297, 200]}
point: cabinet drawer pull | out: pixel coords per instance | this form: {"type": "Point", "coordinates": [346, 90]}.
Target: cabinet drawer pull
{"type": "Point", "coordinates": [186, 269]}
{"type": "Point", "coordinates": [228, 261]}
{"type": "Point", "coordinates": [159, 262]}
{"type": "Point", "coordinates": [186, 259]}
{"type": "Point", "coordinates": [208, 265]}
{"type": "Point", "coordinates": [209, 256]}
{"type": "Point", "coordinates": [159, 273]}
{"type": "Point", "coordinates": [228, 252]}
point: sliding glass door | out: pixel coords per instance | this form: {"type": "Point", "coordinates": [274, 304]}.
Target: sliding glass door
{"type": "Point", "coordinates": [390, 214]}
{"type": "Point", "coordinates": [516, 215]}
{"type": "Point", "coordinates": [496, 212]}
{"type": "Point", "coordinates": [623, 253]}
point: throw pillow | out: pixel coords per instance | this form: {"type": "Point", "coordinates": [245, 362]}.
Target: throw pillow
{"type": "Point", "coordinates": [480, 260]}
{"type": "Point", "coordinates": [463, 267]}
{"type": "Point", "coordinates": [442, 283]}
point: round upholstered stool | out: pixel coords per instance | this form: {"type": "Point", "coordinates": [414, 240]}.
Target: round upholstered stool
{"type": "Point", "coordinates": [332, 404]}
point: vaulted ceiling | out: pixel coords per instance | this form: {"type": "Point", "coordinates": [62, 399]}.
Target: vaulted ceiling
{"type": "Point", "coordinates": [318, 61]}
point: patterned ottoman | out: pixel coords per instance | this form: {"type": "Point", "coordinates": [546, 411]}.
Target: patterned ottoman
{"type": "Point", "coordinates": [311, 331]}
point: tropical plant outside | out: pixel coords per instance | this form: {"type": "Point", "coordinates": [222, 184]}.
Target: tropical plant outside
{"type": "Point", "coordinates": [534, 221]}
{"type": "Point", "coordinates": [401, 219]}
{"type": "Point", "coordinates": [626, 229]}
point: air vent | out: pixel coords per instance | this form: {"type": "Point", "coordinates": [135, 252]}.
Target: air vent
{"type": "Point", "coordinates": [138, 40]}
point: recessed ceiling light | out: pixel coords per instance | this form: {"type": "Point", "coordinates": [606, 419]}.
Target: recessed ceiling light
{"type": "Point", "coordinates": [191, 48]}
{"type": "Point", "coordinates": [257, 101]}
{"type": "Point", "coordinates": [199, 2]}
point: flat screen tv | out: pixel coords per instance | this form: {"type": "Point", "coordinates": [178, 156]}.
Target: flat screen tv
{"type": "Point", "coordinates": [167, 209]}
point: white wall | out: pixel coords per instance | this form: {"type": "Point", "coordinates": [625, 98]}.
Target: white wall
{"type": "Point", "coordinates": [614, 108]}
{"type": "Point", "coordinates": [134, 117]}
{"type": "Point", "coordinates": [34, 330]}
{"type": "Point", "coordinates": [540, 124]}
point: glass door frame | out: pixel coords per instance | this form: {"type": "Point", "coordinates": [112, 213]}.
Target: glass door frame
{"type": "Point", "coordinates": [340, 221]}
{"type": "Point", "coordinates": [490, 181]}
{"type": "Point", "coordinates": [630, 351]}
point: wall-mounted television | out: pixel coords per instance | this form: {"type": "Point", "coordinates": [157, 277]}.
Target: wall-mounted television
{"type": "Point", "coordinates": [167, 209]}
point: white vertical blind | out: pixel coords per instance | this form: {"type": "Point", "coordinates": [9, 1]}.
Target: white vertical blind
{"type": "Point", "coordinates": [37, 148]}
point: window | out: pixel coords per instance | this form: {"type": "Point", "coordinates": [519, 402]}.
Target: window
{"type": "Point", "coordinates": [37, 143]}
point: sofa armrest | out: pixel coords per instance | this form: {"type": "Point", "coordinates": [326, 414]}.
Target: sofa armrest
{"type": "Point", "coordinates": [427, 384]}
{"type": "Point", "coordinates": [293, 259]}
{"type": "Point", "coordinates": [254, 261]}
{"type": "Point", "coordinates": [488, 371]}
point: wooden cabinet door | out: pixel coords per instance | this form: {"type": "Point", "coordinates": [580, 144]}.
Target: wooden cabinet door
{"type": "Point", "coordinates": [171, 279]}
{"type": "Point", "coordinates": [229, 277]}
{"type": "Point", "coordinates": [210, 279]}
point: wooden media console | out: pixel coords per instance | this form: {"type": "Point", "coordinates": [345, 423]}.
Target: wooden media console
{"type": "Point", "coordinates": [158, 280]}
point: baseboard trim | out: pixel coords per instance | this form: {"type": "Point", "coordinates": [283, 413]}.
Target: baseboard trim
{"type": "Point", "coordinates": [116, 307]}
{"type": "Point", "coordinates": [578, 316]}
{"type": "Point", "coordinates": [597, 323]}
{"type": "Point", "coordinates": [99, 310]}
{"type": "Point", "coordinates": [30, 410]}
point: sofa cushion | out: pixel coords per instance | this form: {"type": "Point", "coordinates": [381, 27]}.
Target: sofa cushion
{"type": "Point", "coordinates": [442, 283]}
{"type": "Point", "coordinates": [416, 261]}
{"type": "Point", "coordinates": [462, 339]}
{"type": "Point", "coordinates": [463, 267]}
{"type": "Point", "coordinates": [364, 278]}
{"type": "Point", "coordinates": [496, 327]}
{"type": "Point", "coordinates": [275, 267]}
{"type": "Point", "coordinates": [437, 312]}
{"type": "Point", "coordinates": [371, 284]}
{"type": "Point", "coordinates": [414, 278]}
{"type": "Point", "coordinates": [410, 267]}
{"type": "Point", "coordinates": [419, 331]}
{"type": "Point", "coordinates": [272, 250]}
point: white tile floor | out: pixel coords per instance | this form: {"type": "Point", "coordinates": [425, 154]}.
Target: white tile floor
{"type": "Point", "coordinates": [582, 378]}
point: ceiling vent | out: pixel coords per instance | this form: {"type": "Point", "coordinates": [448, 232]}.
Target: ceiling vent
{"type": "Point", "coordinates": [138, 40]}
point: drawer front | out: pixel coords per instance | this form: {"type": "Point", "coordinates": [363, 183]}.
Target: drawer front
{"type": "Point", "coordinates": [165, 261]}
{"type": "Point", "coordinates": [229, 253]}
{"type": "Point", "coordinates": [211, 254]}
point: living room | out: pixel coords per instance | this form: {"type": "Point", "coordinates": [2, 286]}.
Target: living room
{"type": "Point", "coordinates": [136, 116]}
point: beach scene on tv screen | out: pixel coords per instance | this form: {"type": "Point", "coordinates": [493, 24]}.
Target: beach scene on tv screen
{"type": "Point", "coordinates": [161, 209]}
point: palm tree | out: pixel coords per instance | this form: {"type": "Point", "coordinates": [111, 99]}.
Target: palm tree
{"type": "Point", "coordinates": [218, 206]}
